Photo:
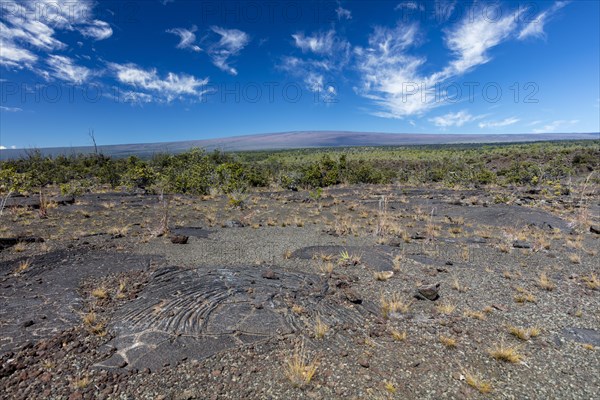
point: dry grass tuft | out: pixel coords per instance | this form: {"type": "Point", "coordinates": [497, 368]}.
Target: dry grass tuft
{"type": "Point", "coordinates": [327, 267]}
{"type": "Point", "coordinates": [397, 263]}
{"type": "Point", "coordinates": [298, 369]}
{"type": "Point", "coordinates": [325, 256]}
{"type": "Point", "coordinates": [524, 333]}
{"type": "Point", "coordinates": [506, 353]}
{"type": "Point", "coordinates": [474, 314]}
{"type": "Point", "coordinates": [393, 304]}
{"type": "Point", "coordinates": [321, 328]}
{"type": "Point", "coordinates": [476, 382]}
{"type": "Point", "coordinates": [575, 258]}
{"type": "Point", "coordinates": [445, 308]}
{"type": "Point", "coordinates": [347, 259]}
{"type": "Point", "coordinates": [592, 281]}
{"type": "Point", "coordinates": [100, 293]}
{"type": "Point", "coordinates": [389, 386]}
{"type": "Point", "coordinates": [91, 322]}
{"type": "Point", "coordinates": [545, 283]}
{"type": "Point", "coordinates": [448, 341]}
{"type": "Point", "coordinates": [82, 383]}
{"type": "Point", "coordinates": [19, 247]}
{"type": "Point", "coordinates": [298, 309]}
{"type": "Point", "coordinates": [22, 267]}
{"type": "Point", "coordinates": [524, 296]}
{"type": "Point", "coordinates": [399, 336]}
{"type": "Point", "coordinates": [456, 285]}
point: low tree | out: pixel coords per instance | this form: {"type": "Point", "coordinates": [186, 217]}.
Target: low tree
{"type": "Point", "coordinates": [11, 182]}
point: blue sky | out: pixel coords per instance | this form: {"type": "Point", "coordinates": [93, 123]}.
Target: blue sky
{"type": "Point", "coordinates": [168, 70]}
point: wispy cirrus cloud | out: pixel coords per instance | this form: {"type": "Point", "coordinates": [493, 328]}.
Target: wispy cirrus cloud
{"type": "Point", "coordinates": [535, 28]}
{"type": "Point", "coordinates": [10, 109]}
{"type": "Point", "coordinates": [390, 70]}
{"type": "Point", "coordinates": [343, 13]}
{"type": "Point", "coordinates": [319, 43]}
{"type": "Point", "coordinates": [409, 5]}
{"type": "Point", "coordinates": [28, 34]}
{"type": "Point", "coordinates": [389, 73]}
{"type": "Point", "coordinates": [97, 30]}
{"type": "Point", "coordinates": [187, 38]}
{"type": "Point", "coordinates": [555, 125]}
{"type": "Point", "coordinates": [230, 44]}
{"type": "Point", "coordinates": [322, 54]}
{"type": "Point", "coordinates": [498, 124]}
{"type": "Point", "coordinates": [64, 68]}
{"type": "Point", "coordinates": [457, 119]}
{"type": "Point", "coordinates": [471, 40]}
{"type": "Point", "coordinates": [15, 57]}
{"type": "Point", "coordinates": [149, 86]}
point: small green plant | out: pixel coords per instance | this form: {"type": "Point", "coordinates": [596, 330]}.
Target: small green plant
{"type": "Point", "coordinates": [316, 195]}
{"type": "Point", "coordinates": [237, 199]}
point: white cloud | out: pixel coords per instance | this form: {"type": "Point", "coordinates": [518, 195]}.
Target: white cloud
{"type": "Point", "coordinates": [2, 148]}
{"type": "Point", "coordinates": [34, 27]}
{"type": "Point", "coordinates": [454, 119]}
{"type": "Point", "coordinates": [65, 69]}
{"type": "Point", "coordinates": [393, 78]}
{"type": "Point", "coordinates": [31, 33]}
{"type": "Point", "coordinates": [327, 53]}
{"type": "Point", "coordinates": [187, 38]}
{"type": "Point", "coordinates": [535, 28]}
{"type": "Point", "coordinates": [315, 82]}
{"type": "Point", "coordinates": [390, 76]}
{"type": "Point", "coordinates": [14, 56]}
{"type": "Point", "coordinates": [97, 30]}
{"type": "Point", "coordinates": [231, 43]}
{"type": "Point", "coordinates": [10, 109]}
{"type": "Point", "coordinates": [498, 124]}
{"type": "Point", "coordinates": [171, 87]}
{"type": "Point", "coordinates": [343, 13]}
{"type": "Point", "coordinates": [319, 43]}
{"type": "Point", "coordinates": [471, 39]}
{"type": "Point", "coordinates": [555, 125]}
{"type": "Point", "coordinates": [136, 97]}
{"type": "Point", "coordinates": [443, 9]}
{"type": "Point", "coordinates": [409, 5]}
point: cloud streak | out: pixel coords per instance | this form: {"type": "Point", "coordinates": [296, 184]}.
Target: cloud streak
{"type": "Point", "coordinates": [324, 53]}
{"type": "Point", "coordinates": [28, 36]}
{"type": "Point", "coordinates": [535, 29]}
{"type": "Point", "coordinates": [498, 124]}
{"type": "Point", "coordinates": [10, 109]}
{"type": "Point", "coordinates": [230, 44]}
{"type": "Point", "coordinates": [64, 68]}
{"type": "Point", "coordinates": [457, 119]}
{"type": "Point", "coordinates": [187, 38]}
{"type": "Point", "coordinates": [555, 125]}
{"type": "Point", "coordinates": [155, 88]}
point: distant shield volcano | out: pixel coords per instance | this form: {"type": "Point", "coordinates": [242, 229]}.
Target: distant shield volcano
{"type": "Point", "coordinates": [305, 139]}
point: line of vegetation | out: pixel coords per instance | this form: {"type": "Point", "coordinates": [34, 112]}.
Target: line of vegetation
{"type": "Point", "coordinates": [199, 172]}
